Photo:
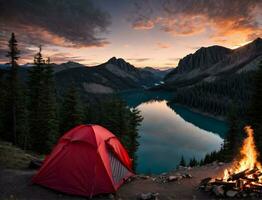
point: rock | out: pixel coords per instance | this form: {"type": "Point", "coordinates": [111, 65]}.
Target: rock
{"type": "Point", "coordinates": [188, 176]}
{"type": "Point", "coordinates": [156, 194]}
{"type": "Point", "coordinates": [144, 177]}
{"type": "Point", "coordinates": [205, 181]}
{"type": "Point", "coordinates": [149, 196]}
{"type": "Point", "coordinates": [244, 195]}
{"type": "Point", "coordinates": [111, 196]}
{"type": "Point", "coordinates": [172, 178]}
{"type": "Point", "coordinates": [207, 188]}
{"type": "Point", "coordinates": [214, 163]}
{"type": "Point", "coordinates": [231, 193]}
{"type": "Point", "coordinates": [252, 194]}
{"type": "Point", "coordinates": [182, 167]}
{"type": "Point", "coordinates": [218, 190]}
{"type": "Point", "coordinates": [146, 196]}
{"type": "Point", "coordinates": [202, 187]}
{"type": "Point", "coordinates": [211, 181]}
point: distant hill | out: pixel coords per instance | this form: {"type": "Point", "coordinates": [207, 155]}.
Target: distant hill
{"type": "Point", "coordinates": [115, 75]}
{"type": "Point", "coordinates": [213, 63]}
{"type": "Point", "coordinates": [157, 72]}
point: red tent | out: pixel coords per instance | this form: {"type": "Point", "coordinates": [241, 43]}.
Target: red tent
{"type": "Point", "coordinates": [87, 160]}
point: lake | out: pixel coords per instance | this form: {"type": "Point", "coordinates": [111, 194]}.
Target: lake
{"type": "Point", "coordinates": [169, 132]}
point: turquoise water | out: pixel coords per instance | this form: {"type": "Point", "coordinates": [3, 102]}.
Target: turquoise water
{"type": "Point", "coordinates": [168, 133]}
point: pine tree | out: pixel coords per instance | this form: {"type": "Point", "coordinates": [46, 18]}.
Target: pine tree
{"type": "Point", "coordinates": [116, 116]}
{"type": "Point", "coordinates": [14, 100]}
{"type": "Point", "coordinates": [193, 162]}
{"type": "Point", "coordinates": [13, 55]}
{"type": "Point", "coordinates": [135, 121]}
{"type": "Point", "coordinates": [182, 162]}
{"type": "Point", "coordinates": [43, 119]}
{"type": "Point", "coordinates": [71, 112]}
{"type": "Point", "coordinates": [255, 109]}
{"type": "Point", "coordinates": [2, 105]}
{"type": "Point", "coordinates": [233, 139]}
{"type": "Point", "coordinates": [22, 118]}
{"type": "Point", "coordinates": [35, 91]}
{"type": "Point", "coordinates": [50, 112]}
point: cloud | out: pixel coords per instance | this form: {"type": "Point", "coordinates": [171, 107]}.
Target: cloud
{"type": "Point", "coordinates": [64, 57]}
{"type": "Point", "coordinates": [163, 45]}
{"type": "Point", "coordinates": [63, 23]}
{"type": "Point", "coordinates": [219, 19]}
{"type": "Point", "coordinates": [174, 59]}
{"type": "Point", "coordinates": [143, 25]}
{"type": "Point", "coordinates": [141, 15]}
{"type": "Point", "coordinates": [138, 59]}
{"type": "Point", "coordinates": [25, 53]}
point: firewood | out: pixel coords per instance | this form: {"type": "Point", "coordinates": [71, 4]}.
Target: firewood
{"type": "Point", "coordinates": [240, 184]}
{"type": "Point", "coordinates": [258, 175]}
{"type": "Point", "coordinates": [224, 183]}
{"type": "Point", "coordinates": [238, 175]}
{"type": "Point", "coordinates": [256, 185]}
{"type": "Point", "coordinates": [251, 179]}
{"type": "Point", "coordinates": [205, 181]}
{"type": "Point", "coordinates": [252, 171]}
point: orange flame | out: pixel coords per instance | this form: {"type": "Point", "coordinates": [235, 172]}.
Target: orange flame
{"type": "Point", "coordinates": [249, 156]}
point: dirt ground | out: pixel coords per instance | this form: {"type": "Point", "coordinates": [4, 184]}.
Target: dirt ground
{"type": "Point", "coordinates": [15, 184]}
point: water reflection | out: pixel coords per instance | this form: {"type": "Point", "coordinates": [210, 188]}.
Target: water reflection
{"type": "Point", "coordinates": [166, 136]}
{"type": "Point", "coordinates": [202, 121]}
{"type": "Point", "coordinates": [168, 132]}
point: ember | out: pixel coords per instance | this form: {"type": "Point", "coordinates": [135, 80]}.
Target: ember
{"type": "Point", "coordinates": [244, 177]}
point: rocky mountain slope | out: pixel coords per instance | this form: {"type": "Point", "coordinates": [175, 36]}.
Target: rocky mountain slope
{"type": "Point", "coordinates": [212, 63]}
{"type": "Point", "coordinates": [112, 76]}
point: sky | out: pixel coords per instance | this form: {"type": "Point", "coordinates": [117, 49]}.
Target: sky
{"type": "Point", "coordinates": [154, 33]}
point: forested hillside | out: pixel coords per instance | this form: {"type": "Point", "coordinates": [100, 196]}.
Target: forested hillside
{"type": "Point", "coordinates": [33, 116]}
{"type": "Point", "coordinates": [219, 96]}
{"type": "Point", "coordinates": [239, 116]}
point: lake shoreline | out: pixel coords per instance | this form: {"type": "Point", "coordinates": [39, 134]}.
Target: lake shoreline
{"type": "Point", "coordinates": [217, 117]}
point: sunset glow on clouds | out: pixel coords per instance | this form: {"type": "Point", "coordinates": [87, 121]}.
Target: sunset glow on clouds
{"type": "Point", "coordinates": [146, 33]}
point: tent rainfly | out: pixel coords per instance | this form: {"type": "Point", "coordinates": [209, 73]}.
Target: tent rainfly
{"type": "Point", "coordinates": [86, 161]}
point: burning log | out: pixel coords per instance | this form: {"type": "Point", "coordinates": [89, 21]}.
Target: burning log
{"type": "Point", "coordinates": [238, 175]}
{"type": "Point", "coordinates": [253, 171]}
{"type": "Point", "coordinates": [244, 179]}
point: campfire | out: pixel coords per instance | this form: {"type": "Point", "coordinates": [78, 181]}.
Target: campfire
{"type": "Point", "coordinates": [243, 178]}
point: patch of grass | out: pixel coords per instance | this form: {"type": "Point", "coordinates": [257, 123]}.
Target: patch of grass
{"type": "Point", "coordinates": [13, 157]}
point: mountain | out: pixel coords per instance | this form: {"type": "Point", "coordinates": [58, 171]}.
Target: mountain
{"type": "Point", "coordinates": [115, 75]}
{"type": "Point", "coordinates": [212, 63]}
{"type": "Point", "coordinates": [157, 72]}
{"type": "Point", "coordinates": [64, 66]}
{"type": "Point", "coordinates": [216, 80]}
{"type": "Point", "coordinates": [3, 66]}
